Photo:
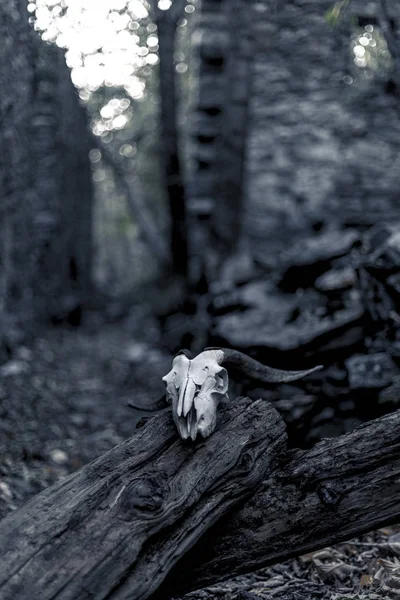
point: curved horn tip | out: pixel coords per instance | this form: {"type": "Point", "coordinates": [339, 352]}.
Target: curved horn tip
{"type": "Point", "coordinates": [253, 368]}
{"type": "Point", "coordinates": [149, 406]}
{"type": "Point", "coordinates": [288, 376]}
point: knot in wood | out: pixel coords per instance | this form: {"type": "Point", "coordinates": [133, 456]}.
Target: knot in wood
{"type": "Point", "coordinates": [328, 494]}
{"type": "Point", "coordinates": [246, 461]}
{"type": "Point", "coordinates": [146, 494]}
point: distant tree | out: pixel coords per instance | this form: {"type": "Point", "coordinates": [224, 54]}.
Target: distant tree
{"type": "Point", "coordinates": [391, 36]}
{"type": "Point", "coordinates": [167, 22]}
{"type": "Point", "coordinates": [220, 130]}
{"type": "Point", "coordinates": [46, 195]}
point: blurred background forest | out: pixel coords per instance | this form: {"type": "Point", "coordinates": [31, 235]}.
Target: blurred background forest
{"type": "Point", "coordinates": [184, 173]}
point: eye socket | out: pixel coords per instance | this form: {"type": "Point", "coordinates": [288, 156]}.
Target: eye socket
{"type": "Point", "coordinates": [221, 379]}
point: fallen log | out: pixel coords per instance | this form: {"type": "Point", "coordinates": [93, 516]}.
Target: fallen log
{"type": "Point", "coordinates": [339, 489]}
{"type": "Point", "coordinates": [115, 528]}
{"type": "Point", "coordinates": [133, 521]}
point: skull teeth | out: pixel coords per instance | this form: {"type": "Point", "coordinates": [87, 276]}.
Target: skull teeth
{"type": "Point", "coordinates": [186, 397]}
{"type": "Point", "coordinates": [191, 423]}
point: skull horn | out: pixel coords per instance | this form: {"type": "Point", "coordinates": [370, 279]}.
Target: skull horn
{"type": "Point", "coordinates": [148, 405]}
{"type": "Point", "coordinates": [257, 370]}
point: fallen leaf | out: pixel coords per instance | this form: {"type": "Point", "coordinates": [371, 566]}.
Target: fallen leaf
{"type": "Point", "coordinates": [366, 580]}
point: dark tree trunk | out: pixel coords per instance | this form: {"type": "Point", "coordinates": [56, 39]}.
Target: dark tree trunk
{"type": "Point", "coordinates": [45, 215]}
{"type": "Point", "coordinates": [61, 188]}
{"type": "Point", "coordinates": [387, 23]}
{"type": "Point", "coordinates": [220, 132]}
{"type": "Point", "coordinates": [15, 176]}
{"type": "Point", "coordinates": [207, 124]}
{"type": "Point", "coordinates": [167, 22]}
{"type": "Point", "coordinates": [230, 189]}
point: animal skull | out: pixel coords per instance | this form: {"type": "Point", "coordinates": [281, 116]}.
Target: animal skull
{"type": "Point", "coordinates": [195, 387]}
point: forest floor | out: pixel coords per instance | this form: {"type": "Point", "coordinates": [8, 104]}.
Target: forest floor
{"type": "Point", "coordinates": [65, 400]}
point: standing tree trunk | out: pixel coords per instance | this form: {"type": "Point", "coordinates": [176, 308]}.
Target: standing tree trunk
{"type": "Point", "coordinates": [230, 186]}
{"type": "Point", "coordinates": [167, 22]}
{"type": "Point", "coordinates": [60, 188]}
{"type": "Point", "coordinates": [15, 175]}
{"type": "Point", "coordinates": [219, 132]}
{"type": "Point", "coordinates": [45, 179]}
{"type": "Point", "coordinates": [390, 33]}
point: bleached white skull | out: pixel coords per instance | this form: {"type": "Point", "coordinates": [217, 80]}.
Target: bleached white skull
{"type": "Point", "coordinates": [196, 386]}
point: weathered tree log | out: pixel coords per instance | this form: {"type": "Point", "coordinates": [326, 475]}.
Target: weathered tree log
{"type": "Point", "coordinates": [339, 489]}
{"type": "Point", "coordinates": [120, 527]}
{"type": "Point", "coordinates": [116, 528]}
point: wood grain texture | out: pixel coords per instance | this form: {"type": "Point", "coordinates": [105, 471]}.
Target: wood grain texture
{"type": "Point", "coordinates": [340, 488]}
{"type": "Point", "coordinates": [116, 528]}
{"type": "Point", "coordinates": [156, 517]}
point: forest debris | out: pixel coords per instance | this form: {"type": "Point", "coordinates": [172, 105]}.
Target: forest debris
{"type": "Point", "coordinates": [366, 580]}
{"type": "Point", "coordinates": [5, 491]}
{"type": "Point", "coordinates": [310, 257]}
{"type": "Point", "coordinates": [261, 294]}
{"type": "Point", "coordinates": [337, 279]}
{"type": "Point", "coordinates": [394, 543]}
{"type": "Point", "coordinates": [391, 394]}
{"type": "Point", "coordinates": [322, 247]}
{"type": "Point", "coordinates": [295, 408]}
{"type": "Point", "coordinates": [277, 331]}
{"type": "Point", "coordinates": [334, 569]}
{"type": "Point", "coordinates": [13, 368]}
{"type": "Point", "coordinates": [370, 371]}
{"type": "Point", "coordinates": [393, 283]}
{"type": "Point", "coordinates": [59, 456]}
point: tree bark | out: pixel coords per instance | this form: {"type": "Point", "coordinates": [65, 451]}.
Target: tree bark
{"type": "Point", "coordinates": [207, 127]}
{"type": "Point", "coordinates": [392, 41]}
{"type": "Point", "coordinates": [117, 528]}
{"type": "Point", "coordinates": [220, 123]}
{"type": "Point", "coordinates": [167, 22]}
{"type": "Point", "coordinates": [61, 188]}
{"type": "Point", "coordinates": [45, 183]}
{"type": "Point", "coordinates": [227, 220]}
{"type": "Point", "coordinates": [339, 489]}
